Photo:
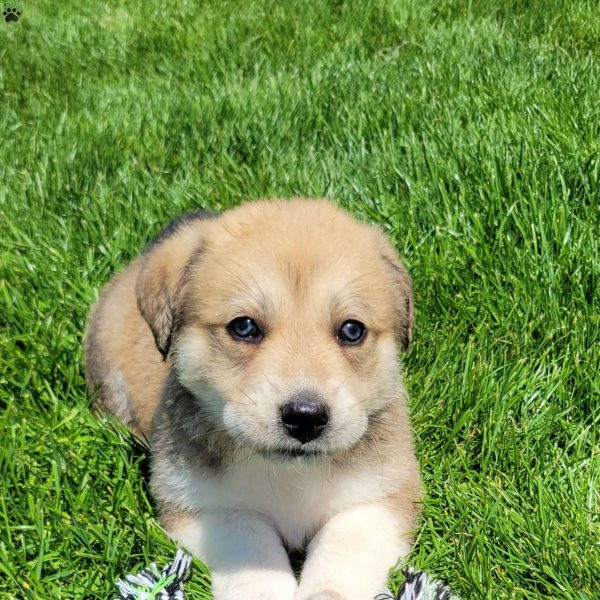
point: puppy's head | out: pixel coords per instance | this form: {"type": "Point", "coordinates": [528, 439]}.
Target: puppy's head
{"type": "Point", "coordinates": [282, 319]}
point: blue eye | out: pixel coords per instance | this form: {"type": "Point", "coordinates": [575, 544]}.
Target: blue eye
{"type": "Point", "coordinates": [245, 329]}
{"type": "Point", "coordinates": [351, 332]}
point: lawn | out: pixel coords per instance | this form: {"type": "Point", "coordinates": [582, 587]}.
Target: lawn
{"type": "Point", "coordinates": [468, 130]}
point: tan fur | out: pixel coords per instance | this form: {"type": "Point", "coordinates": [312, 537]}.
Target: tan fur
{"type": "Point", "coordinates": [158, 349]}
{"type": "Point", "coordinates": [120, 344]}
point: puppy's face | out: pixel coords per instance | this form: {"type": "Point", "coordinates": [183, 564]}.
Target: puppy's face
{"type": "Point", "coordinates": [289, 317]}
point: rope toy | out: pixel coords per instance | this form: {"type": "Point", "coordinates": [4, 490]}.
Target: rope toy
{"type": "Point", "coordinates": [418, 586]}
{"type": "Point", "coordinates": [149, 584]}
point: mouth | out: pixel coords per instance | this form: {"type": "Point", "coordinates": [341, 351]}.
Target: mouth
{"type": "Point", "coordinates": [293, 454]}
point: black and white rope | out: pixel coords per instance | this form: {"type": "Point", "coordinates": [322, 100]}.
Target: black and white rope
{"type": "Point", "coordinates": [418, 586]}
{"type": "Point", "coordinates": [143, 586]}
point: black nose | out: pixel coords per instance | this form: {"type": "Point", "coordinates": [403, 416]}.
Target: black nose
{"type": "Point", "coordinates": [305, 416]}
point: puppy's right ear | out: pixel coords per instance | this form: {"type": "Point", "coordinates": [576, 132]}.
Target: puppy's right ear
{"type": "Point", "coordinates": [403, 294]}
{"type": "Point", "coordinates": [162, 275]}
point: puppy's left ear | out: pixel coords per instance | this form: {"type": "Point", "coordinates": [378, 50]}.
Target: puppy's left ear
{"type": "Point", "coordinates": [403, 296]}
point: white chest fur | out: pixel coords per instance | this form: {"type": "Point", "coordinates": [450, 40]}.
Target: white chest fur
{"type": "Point", "coordinates": [297, 498]}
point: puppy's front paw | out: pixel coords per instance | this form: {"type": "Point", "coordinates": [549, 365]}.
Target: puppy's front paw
{"type": "Point", "coordinates": [324, 595]}
{"type": "Point", "coordinates": [340, 590]}
{"type": "Point", "coordinates": [250, 586]}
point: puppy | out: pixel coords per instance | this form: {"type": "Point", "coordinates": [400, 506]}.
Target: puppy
{"type": "Point", "coordinates": [257, 350]}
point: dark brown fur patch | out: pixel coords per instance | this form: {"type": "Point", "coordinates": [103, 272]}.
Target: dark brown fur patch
{"type": "Point", "coordinates": [186, 432]}
{"type": "Point", "coordinates": [175, 225]}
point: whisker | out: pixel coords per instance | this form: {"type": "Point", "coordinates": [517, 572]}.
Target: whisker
{"type": "Point", "coordinates": [247, 396]}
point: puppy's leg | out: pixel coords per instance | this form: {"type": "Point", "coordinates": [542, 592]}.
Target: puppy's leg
{"type": "Point", "coordinates": [243, 551]}
{"type": "Point", "coordinates": [350, 556]}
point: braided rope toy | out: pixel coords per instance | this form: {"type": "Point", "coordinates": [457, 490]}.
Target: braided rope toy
{"type": "Point", "coordinates": [419, 586]}
{"type": "Point", "coordinates": [150, 584]}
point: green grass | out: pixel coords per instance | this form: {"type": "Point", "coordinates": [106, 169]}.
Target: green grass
{"type": "Point", "coordinates": [468, 130]}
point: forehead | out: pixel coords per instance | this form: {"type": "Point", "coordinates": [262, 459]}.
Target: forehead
{"type": "Point", "coordinates": [291, 257]}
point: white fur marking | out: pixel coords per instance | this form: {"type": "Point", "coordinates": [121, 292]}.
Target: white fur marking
{"type": "Point", "coordinates": [244, 553]}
